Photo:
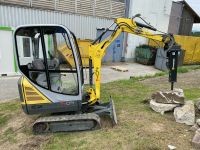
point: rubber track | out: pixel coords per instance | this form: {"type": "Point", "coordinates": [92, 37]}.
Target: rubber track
{"type": "Point", "coordinates": [68, 118]}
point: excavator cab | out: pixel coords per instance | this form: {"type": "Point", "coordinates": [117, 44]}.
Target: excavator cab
{"type": "Point", "coordinates": [52, 81]}
{"type": "Point", "coordinates": [52, 72]}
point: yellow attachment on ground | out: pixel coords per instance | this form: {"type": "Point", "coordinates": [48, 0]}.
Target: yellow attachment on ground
{"type": "Point", "coordinates": [191, 46]}
{"type": "Point", "coordinates": [31, 94]}
{"type": "Point", "coordinates": [84, 51]}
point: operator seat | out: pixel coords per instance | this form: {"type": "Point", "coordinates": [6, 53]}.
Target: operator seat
{"type": "Point", "coordinates": [40, 76]}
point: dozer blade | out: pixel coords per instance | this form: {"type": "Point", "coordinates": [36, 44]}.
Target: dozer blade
{"type": "Point", "coordinates": [113, 115]}
{"type": "Point", "coordinates": [106, 109]}
{"type": "Point", "coordinates": [66, 123]}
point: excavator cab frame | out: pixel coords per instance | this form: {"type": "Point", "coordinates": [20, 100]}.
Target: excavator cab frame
{"type": "Point", "coordinates": [40, 72]}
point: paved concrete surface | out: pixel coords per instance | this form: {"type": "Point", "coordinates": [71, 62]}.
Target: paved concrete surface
{"type": "Point", "coordinates": [134, 69]}
{"type": "Point", "coordinates": [9, 89]}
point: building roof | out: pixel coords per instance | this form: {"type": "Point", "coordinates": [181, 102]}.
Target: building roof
{"type": "Point", "coordinates": [196, 16]}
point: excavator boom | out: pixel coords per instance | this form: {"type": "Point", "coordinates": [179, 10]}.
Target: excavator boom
{"type": "Point", "coordinates": [98, 50]}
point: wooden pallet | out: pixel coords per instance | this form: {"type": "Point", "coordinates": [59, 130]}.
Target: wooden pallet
{"type": "Point", "coordinates": [3, 75]}
{"type": "Point", "coordinates": [118, 68]}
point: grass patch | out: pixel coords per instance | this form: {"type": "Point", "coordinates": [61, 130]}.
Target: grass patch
{"type": "Point", "coordinates": [182, 69]}
{"type": "Point", "coordinates": [4, 119]}
{"type": "Point", "coordinates": [140, 78]}
{"type": "Point", "coordinates": [195, 67]}
{"type": "Point", "coordinates": [185, 69]}
{"type": "Point", "coordinates": [7, 111]}
{"type": "Point", "coordinates": [192, 94]}
{"type": "Point", "coordinates": [10, 106]}
{"type": "Point", "coordinates": [9, 135]}
{"type": "Point", "coordinates": [138, 126]}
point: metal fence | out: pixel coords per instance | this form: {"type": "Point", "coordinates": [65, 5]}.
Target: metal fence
{"type": "Point", "coordinates": [99, 8]}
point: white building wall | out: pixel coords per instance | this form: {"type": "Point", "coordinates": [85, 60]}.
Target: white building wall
{"type": "Point", "coordinates": [7, 64]}
{"type": "Point", "coordinates": [83, 26]}
{"type": "Point", "coordinates": [155, 12]}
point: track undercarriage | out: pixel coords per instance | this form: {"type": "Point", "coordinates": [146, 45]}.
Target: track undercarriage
{"type": "Point", "coordinates": [76, 122]}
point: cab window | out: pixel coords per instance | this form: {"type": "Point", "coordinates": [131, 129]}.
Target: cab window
{"type": "Point", "coordinates": [46, 57]}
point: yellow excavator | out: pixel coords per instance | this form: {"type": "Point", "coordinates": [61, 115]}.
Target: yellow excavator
{"type": "Point", "coordinates": [51, 86]}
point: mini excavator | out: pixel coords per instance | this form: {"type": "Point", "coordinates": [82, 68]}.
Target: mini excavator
{"type": "Point", "coordinates": [52, 81]}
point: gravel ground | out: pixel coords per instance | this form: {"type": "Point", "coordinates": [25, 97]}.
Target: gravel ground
{"type": "Point", "coordinates": [8, 88]}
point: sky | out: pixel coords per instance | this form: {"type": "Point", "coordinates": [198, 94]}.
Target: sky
{"type": "Point", "coordinates": [195, 4]}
